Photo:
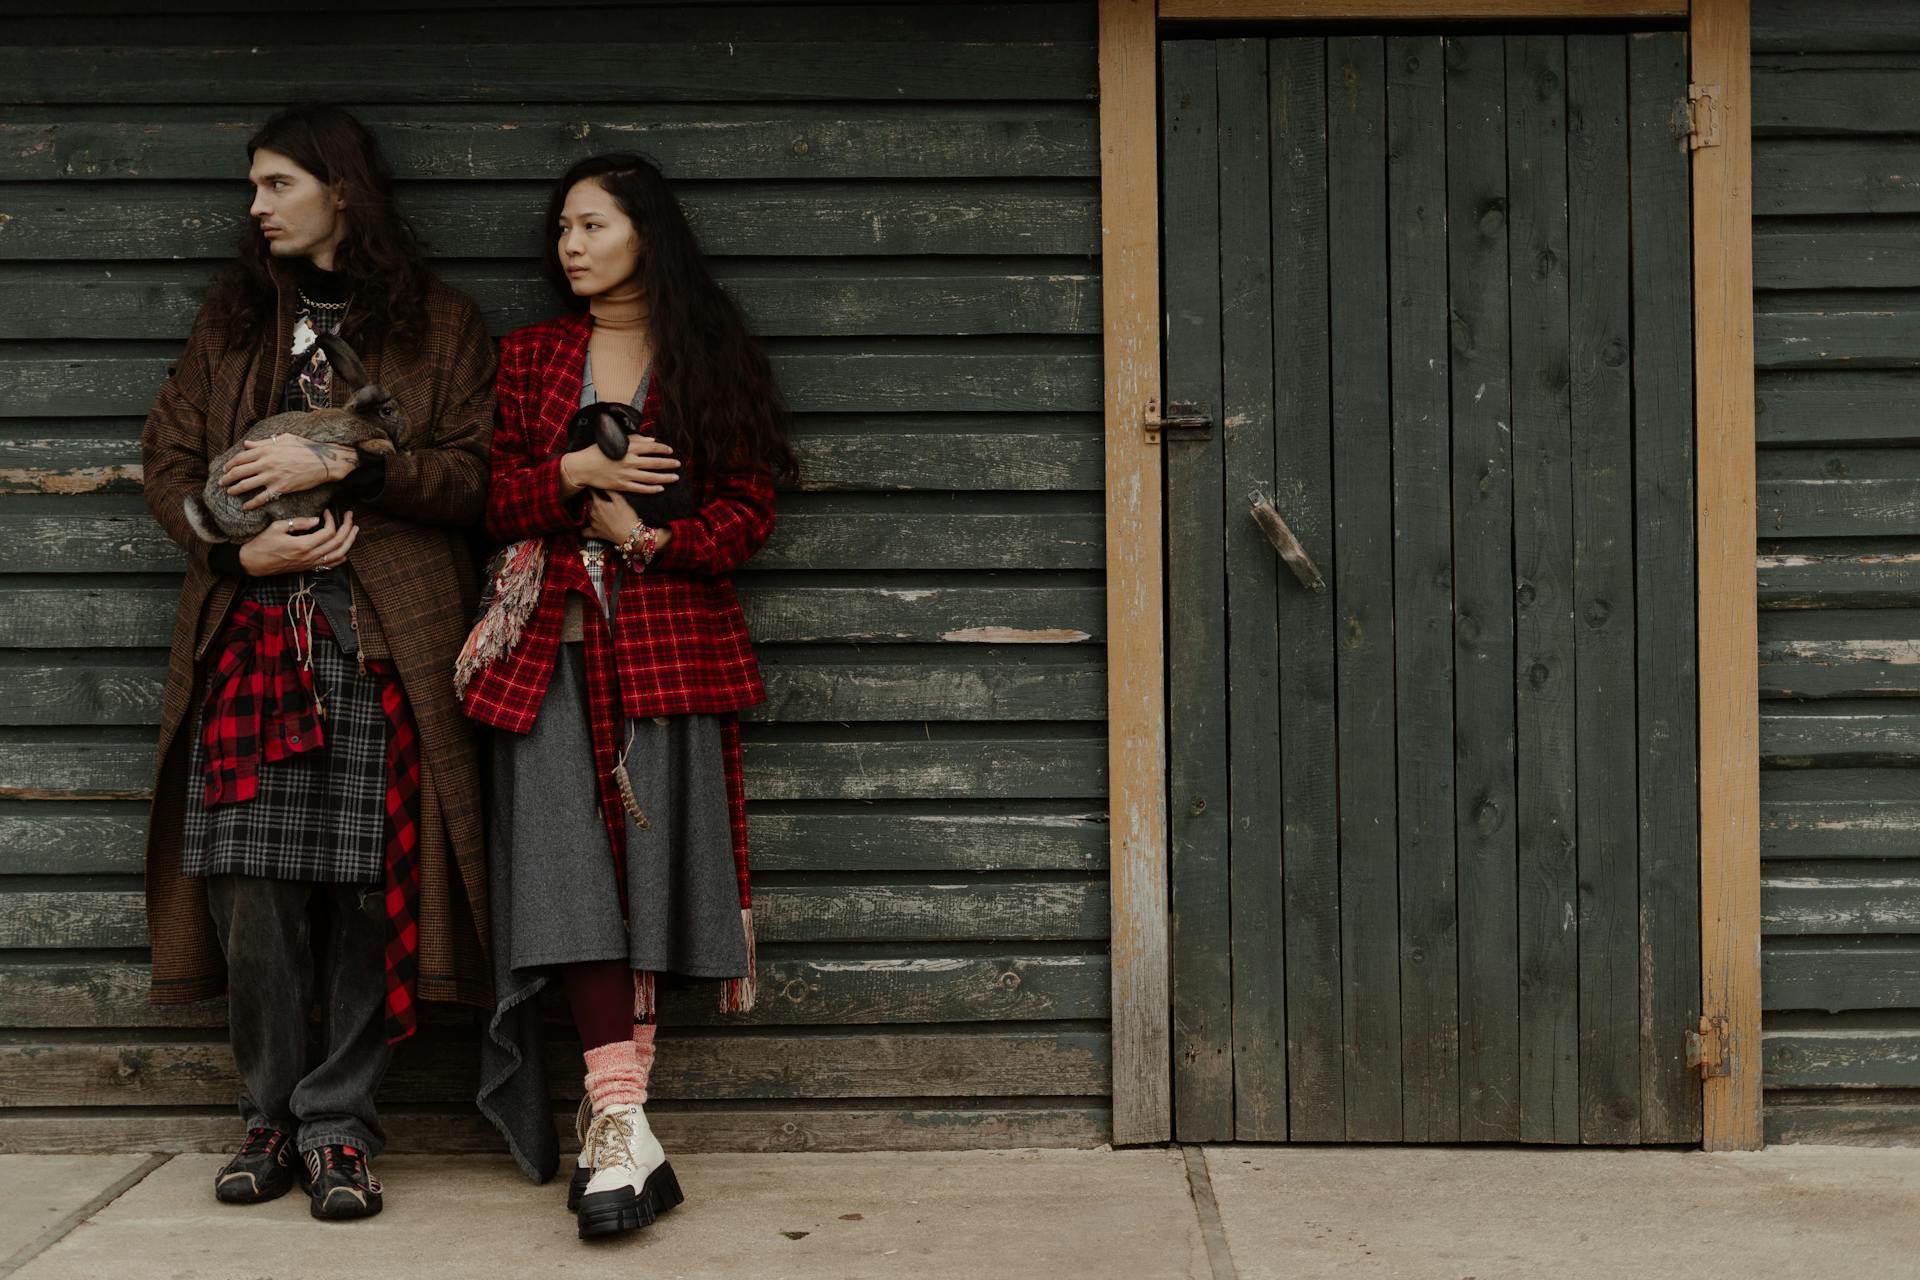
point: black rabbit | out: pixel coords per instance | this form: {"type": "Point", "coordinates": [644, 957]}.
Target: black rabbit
{"type": "Point", "coordinates": [609, 424]}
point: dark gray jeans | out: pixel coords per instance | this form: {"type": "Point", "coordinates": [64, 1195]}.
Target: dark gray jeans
{"type": "Point", "coordinates": [267, 929]}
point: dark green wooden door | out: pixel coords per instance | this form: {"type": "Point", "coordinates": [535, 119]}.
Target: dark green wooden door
{"type": "Point", "coordinates": [1435, 858]}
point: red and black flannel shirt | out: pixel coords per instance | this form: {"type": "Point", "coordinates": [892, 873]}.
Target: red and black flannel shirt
{"type": "Point", "coordinates": [678, 642]}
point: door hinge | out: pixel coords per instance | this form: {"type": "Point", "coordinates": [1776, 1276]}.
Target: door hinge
{"type": "Point", "coordinates": [1703, 116]}
{"type": "Point", "coordinates": [1182, 422]}
{"type": "Point", "coordinates": [1707, 1048]}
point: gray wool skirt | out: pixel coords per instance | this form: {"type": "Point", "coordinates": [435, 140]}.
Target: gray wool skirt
{"type": "Point", "coordinates": [552, 871]}
{"type": "Point", "coordinates": [553, 892]}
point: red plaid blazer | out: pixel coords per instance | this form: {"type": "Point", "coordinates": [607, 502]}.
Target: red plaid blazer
{"type": "Point", "coordinates": [679, 638]}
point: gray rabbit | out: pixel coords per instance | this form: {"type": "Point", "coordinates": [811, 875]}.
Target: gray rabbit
{"type": "Point", "coordinates": [368, 418]}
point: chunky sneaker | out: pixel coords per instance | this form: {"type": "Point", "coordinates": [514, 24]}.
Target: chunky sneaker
{"type": "Point", "coordinates": [582, 1163]}
{"type": "Point", "coordinates": [632, 1182]}
{"type": "Point", "coordinates": [262, 1171]}
{"type": "Point", "coordinates": [341, 1183]}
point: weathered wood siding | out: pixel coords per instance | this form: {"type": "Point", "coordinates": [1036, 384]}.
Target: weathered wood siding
{"type": "Point", "coordinates": [1837, 281]}
{"type": "Point", "coordinates": [904, 198]}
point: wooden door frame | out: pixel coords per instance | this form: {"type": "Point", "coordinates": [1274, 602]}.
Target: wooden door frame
{"type": "Point", "coordinates": [1722, 187]}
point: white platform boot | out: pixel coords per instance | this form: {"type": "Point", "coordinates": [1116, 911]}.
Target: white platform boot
{"type": "Point", "coordinates": [632, 1183]}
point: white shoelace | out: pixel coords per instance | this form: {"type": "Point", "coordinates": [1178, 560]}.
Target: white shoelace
{"type": "Point", "coordinates": [610, 1142]}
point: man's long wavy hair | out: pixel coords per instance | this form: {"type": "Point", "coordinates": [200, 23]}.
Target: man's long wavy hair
{"type": "Point", "coordinates": [721, 403]}
{"type": "Point", "coordinates": [381, 258]}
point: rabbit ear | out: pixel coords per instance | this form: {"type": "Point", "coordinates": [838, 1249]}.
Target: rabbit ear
{"type": "Point", "coordinates": [367, 398]}
{"type": "Point", "coordinates": [610, 430]}
{"type": "Point", "coordinates": [345, 361]}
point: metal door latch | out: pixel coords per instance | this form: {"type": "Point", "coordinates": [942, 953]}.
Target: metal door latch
{"type": "Point", "coordinates": [1183, 422]}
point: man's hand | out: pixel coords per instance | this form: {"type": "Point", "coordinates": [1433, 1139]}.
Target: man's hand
{"type": "Point", "coordinates": [285, 464]}
{"type": "Point", "coordinates": [294, 546]}
{"type": "Point", "coordinates": [648, 467]}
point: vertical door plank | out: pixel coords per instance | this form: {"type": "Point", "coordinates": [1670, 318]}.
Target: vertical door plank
{"type": "Point", "coordinates": [1543, 586]}
{"type": "Point", "coordinates": [1422, 586]}
{"type": "Point", "coordinates": [1664, 586]}
{"type": "Point", "coordinates": [1196, 694]}
{"type": "Point", "coordinates": [1316, 1060]}
{"type": "Point", "coordinates": [1483, 590]}
{"type": "Point", "coordinates": [1363, 583]}
{"type": "Point", "coordinates": [1252, 584]}
{"type": "Point", "coordinates": [1598, 274]}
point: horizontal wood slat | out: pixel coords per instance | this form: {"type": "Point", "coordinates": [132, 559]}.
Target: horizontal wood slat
{"type": "Point", "coordinates": [141, 616]}
{"type": "Point", "coordinates": [814, 912]}
{"type": "Point", "coordinates": [66, 838]}
{"type": "Point", "coordinates": [1842, 973]}
{"type": "Point", "coordinates": [1069, 768]}
{"type": "Point", "coordinates": [106, 544]}
{"type": "Point", "coordinates": [1869, 493]}
{"type": "Point", "coordinates": [442, 1066]}
{"type": "Point", "coordinates": [1864, 732]}
{"type": "Point", "coordinates": [1835, 176]}
{"type": "Point", "coordinates": [895, 1128]}
{"type": "Point", "coordinates": [159, 300]}
{"type": "Point", "coordinates": [1792, 26]}
{"type": "Point", "coordinates": [1852, 1057]}
{"type": "Point", "coordinates": [100, 381]}
{"type": "Point", "coordinates": [1850, 1117]}
{"type": "Point", "coordinates": [815, 992]}
{"type": "Point", "coordinates": [1876, 253]}
{"type": "Point", "coordinates": [1839, 653]}
{"type": "Point", "coordinates": [104, 693]}
{"type": "Point", "coordinates": [506, 74]}
{"type": "Point", "coordinates": [1837, 408]}
{"type": "Point", "coordinates": [1868, 330]}
{"type": "Point", "coordinates": [1853, 904]}
{"type": "Point", "coordinates": [752, 142]}
{"type": "Point", "coordinates": [501, 220]}
{"type": "Point", "coordinates": [1839, 813]}
{"type": "Point", "coordinates": [876, 461]}
{"type": "Point", "coordinates": [1807, 577]}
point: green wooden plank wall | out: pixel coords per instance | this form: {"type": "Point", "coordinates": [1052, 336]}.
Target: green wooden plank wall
{"type": "Point", "coordinates": [904, 197]}
{"type": "Point", "coordinates": [1837, 291]}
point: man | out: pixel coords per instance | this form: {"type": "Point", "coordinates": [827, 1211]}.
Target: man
{"type": "Point", "coordinates": [315, 829]}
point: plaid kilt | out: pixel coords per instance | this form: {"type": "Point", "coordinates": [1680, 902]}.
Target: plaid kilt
{"type": "Point", "coordinates": [318, 815]}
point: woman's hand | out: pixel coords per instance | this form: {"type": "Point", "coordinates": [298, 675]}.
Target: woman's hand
{"type": "Point", "coordinates": [610, 517]}
{"type": "Point", "coordinates": [648, 467]}
{"type": "Point", "coordinates": [294, 546]}
{"type": "Point", "coordinates": [285, 464]}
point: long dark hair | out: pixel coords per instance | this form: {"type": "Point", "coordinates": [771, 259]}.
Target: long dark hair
{"type": "Point", "coordinates": [722, 405]}
{"type": "Point", "coordinates": [381, 257]}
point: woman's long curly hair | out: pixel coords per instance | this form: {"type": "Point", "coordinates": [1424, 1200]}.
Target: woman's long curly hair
{"type": "Point", "coordinates": [381, 257]}
{"type": "Point", "coordinates": [722, 405]}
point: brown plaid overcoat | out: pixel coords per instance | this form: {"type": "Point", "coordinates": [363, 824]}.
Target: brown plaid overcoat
{"type": "Point", "coordinates": [414, 569]}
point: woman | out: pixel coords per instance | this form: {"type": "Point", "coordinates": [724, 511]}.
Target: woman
{"type": "Point", "coordinates": [613, 659]}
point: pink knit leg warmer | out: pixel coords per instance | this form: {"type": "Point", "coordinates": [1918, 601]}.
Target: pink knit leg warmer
{"type": "Point", "coordinates": [615, 1075]}
{"type": "Point", "coordinates": [643, 1045]}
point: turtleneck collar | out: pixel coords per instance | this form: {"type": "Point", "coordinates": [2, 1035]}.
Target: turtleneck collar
{"type": "Point", "coordinates": [321, 286]}
{"type": "Point", "coordinates": [624, 311]}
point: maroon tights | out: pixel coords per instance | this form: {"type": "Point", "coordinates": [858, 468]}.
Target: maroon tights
{"type": "Point", "coordinates": [600, 993]}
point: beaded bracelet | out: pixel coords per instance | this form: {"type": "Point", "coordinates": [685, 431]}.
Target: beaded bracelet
{"type": "Point", "coordinates": [643, 540]}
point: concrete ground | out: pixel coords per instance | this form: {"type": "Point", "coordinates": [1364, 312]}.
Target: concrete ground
{"type": "Point", "coordinates": [1245, 1212]}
